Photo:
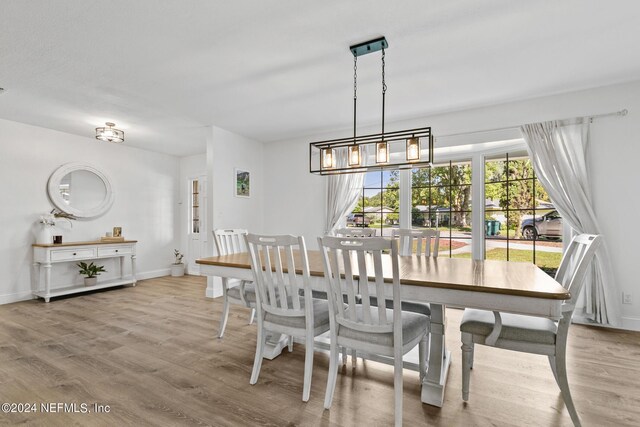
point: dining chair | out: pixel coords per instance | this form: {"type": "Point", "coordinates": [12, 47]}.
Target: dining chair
{"type": "Point", "coordinates": [356, 232]}
{"type": "Point", "coordinates": [408, 239]}
{"type": "Point", "coordinates": [361, 326]}
{"type": "Point", "coordinates": [234, 291]}
{"type": "Point", "coordinates": [420, 239]}
{"type": "Point", "coordinates": [282, 307]}
{"type": "Point", "coordinates": [529, 334]}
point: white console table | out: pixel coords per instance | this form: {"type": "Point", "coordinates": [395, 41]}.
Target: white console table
{"type": "Point", "coordinates": [44, 255]}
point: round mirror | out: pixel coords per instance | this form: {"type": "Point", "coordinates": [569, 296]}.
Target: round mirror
{"type": "Point", "coordinates": [80, 190]}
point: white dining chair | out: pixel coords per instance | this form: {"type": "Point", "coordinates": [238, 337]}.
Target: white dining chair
{"type": "Point", "coordinates": [533, 334]}
{"type": "Point", "coordinates": [356, 232]}
{"type": "Point", "coordinates": [360, 326]}
{"type": "Point", "coordinates": [420, 239]}
{"type": "Point", "coordinates": [234, 291]}
{"type": "Point", "coordinates": [282, 307]}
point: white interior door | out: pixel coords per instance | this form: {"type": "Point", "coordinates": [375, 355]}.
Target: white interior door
{"type": "Point", "coordinates": [198, 230]}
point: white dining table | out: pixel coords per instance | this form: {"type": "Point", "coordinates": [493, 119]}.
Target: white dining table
{"type": "Point", "coordinates": [499, 286]}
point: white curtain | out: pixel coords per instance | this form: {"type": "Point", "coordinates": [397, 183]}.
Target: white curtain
{"type": "Point", "coordinates": [342, 195]}
{"type": "Point", "coordinates": [558, 151]}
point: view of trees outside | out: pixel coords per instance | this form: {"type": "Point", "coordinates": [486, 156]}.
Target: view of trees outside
{"type": "Point", "coordinates": [380, 203]}
{"type": "Point", "coordinates": [521, 223]}
{"type": "Point", "coordinates": [441, 199]}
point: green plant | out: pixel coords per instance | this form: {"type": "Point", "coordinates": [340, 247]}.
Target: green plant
{"type": "Point", "coordinates": [178, 256]}
{"type": "Point", "coordinates": [90, 270]}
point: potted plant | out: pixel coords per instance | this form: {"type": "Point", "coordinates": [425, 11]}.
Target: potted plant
{"type": "Point", "coordinates": [92, 272]}
{"type": "Point", "coordinates": [177, 268]}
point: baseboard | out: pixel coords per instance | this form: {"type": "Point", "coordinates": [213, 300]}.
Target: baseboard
{"type": "Point", "coordinates": [153, 274]}
{"type": "Point", "coordinates": [16, 297]}
{"type": "Point", "coordinates": [628, 323]}
{"type": "Point", "coordinates": [631, 323]}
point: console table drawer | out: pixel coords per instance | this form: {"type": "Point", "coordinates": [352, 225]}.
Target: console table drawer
{"type": "Point", "coordinates": [71, 254]}
{"type": "Point", "coordinates": [115, 251]}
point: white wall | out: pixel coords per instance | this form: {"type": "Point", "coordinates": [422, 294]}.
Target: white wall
{"type": "Point", "coordinates": [296, 198]}
{"type": "Point", "coordinates": [231, 151]}
{"type": "Point", "coordinates": [146, 193]}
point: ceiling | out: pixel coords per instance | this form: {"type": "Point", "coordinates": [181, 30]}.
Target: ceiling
{"type": "Point", "coordinates": [274, 70]}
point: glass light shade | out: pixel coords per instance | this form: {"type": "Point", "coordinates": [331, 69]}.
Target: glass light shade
{"type": "Point", "coordinates": [328, 158]}
{"type": "Point", "coordinates": [109, 133]}
{"type": "Point", "coordinates": [413, 149]}
{"type": "Point", "coordinates": [382, 152]}
{"type": "Point", "coordinates": [354, 155]}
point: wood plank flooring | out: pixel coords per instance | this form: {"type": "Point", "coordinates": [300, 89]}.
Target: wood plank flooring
{"type": "Point", "coordinates": [150, 353]}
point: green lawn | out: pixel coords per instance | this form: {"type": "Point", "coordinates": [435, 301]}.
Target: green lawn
{"type": "Point", "coordinates": [549, 260]}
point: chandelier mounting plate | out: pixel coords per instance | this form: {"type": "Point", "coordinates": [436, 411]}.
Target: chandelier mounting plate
{"type": "Point", "coordinates": [369, 46]}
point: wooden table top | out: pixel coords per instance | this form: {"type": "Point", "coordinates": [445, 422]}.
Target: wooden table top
{"type": "Point", "coordinates": [93, 242]}
{"type": "Point", "coordinates": [498, 277]}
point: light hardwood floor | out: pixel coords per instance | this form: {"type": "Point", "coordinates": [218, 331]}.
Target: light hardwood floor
{"type": "Point", "coordinates": [152, 355]}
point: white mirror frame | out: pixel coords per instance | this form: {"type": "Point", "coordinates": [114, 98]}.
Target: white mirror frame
{"type": "Point", "coordinates": [53, 189]}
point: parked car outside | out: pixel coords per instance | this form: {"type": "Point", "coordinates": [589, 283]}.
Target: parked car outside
{"type": "Point", "coordinates": [358, 220]}
{"type": "Point", "coordinates": [547, 225]}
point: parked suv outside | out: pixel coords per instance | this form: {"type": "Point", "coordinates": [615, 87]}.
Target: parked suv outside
{"type": "Point", "coordinates": [547, 225]}
{"type": "Point", "coordinates": [358, 220]}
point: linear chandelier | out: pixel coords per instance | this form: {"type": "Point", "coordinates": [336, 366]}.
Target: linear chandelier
{"type": "Point", "coordinates": [405, 149]}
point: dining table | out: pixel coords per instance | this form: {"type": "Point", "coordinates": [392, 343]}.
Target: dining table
{"type": "Point", "coordinates": [494, 285]}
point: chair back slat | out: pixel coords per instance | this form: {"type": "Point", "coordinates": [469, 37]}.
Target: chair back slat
{"type": "Point", "coordinates": [368, 255]}
{"type": "Point", "coordinates": [229, 241]}
{"type": "Point", "coordinates": [279, 293]}
{"type": "Point", "coordinates": [356, 232]}
{"type": "Point", "coordinates": [350, 284]}
{"type": "Point", "coordinates": [422, 239]}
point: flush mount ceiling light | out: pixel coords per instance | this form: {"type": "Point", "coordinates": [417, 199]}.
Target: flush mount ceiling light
{"type": "Point", "coordinates": [405, 149]}
{"type": "Point", "coordinates": [109, 133]}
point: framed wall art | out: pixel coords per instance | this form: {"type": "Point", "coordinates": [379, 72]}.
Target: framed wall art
{"type": "Point", "coordinates": [242, 183]}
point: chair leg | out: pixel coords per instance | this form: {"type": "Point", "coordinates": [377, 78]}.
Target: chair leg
{"type": "Point", "coordinates": [467, 361]}
{"type": "Point", "coordinates": [333, 373]}
{"type": "Point", "coordinates": [344, 356]}
{"type": "Point", "coordinates": [354, 358]}
{"type": "Point", "coordinates": [290, 343]}
{"type": "Point", "coordinates": [397, 383]}
{"type": "Point", "coordinates": [422, 354]}
{"type": "Point", "coordinates": [552, 362]}
{"type": "Point", "coordinates": [561, 369]}
{"type": "Point", "coordinates": [253, 315]}
{"type": "Point", "coordinates": [257, 362]}
{"type": "Point", "coordinates": [225, 314]}
{"type": "Point", "coordinates": [308, 365]}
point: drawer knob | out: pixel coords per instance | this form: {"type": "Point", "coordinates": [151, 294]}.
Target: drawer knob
{"type": "Point", "coordinates": [116, 250]}
{"type": "Point", "coordinates": [74, 254]}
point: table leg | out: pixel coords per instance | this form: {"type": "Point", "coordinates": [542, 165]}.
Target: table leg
{"type": "Point", "coordinates": [439, 360]}
{"type": "Point", "coordinates": [133, 270]}
{"type": "Point", "coordinates": [47, 281]}
{"type": "Point", "coordinates": [121, 267]}
{"type": "Point", "coordinates": [35, 278]}
{"type": "Point", "coordinates": [274, 345]}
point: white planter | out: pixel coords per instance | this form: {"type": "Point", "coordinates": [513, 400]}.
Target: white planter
{"type": "Point", "coordinates": [90, 281]}
{"type": "Point", "coordinates": [177, 270]}
{"type": "Point", "coordinates": [45, 235]}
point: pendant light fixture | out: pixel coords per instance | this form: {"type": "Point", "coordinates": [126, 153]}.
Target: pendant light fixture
{"type": "Point", "coordinates": [109, 133]}
{"type": "Point", "coordinates": [406, 149]}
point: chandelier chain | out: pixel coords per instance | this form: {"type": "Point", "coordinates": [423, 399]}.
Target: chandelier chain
{"type": "Point", "coordinates": [384, 90]}
{"type": "Point", "coordinates": [355, 94]}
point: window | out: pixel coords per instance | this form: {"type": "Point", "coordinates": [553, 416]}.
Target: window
{"type": "Point", "coordinates": [521, 223]}
{"type": "Point", "coordinates": [441, 199]}
{"type": "Point", "coordinates": [194, 203]}
{"type": "Point", "coordinates": [379, 203]}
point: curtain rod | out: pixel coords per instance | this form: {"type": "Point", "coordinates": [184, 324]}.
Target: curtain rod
{"type": "Point", "coordinates": [619, 113]}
